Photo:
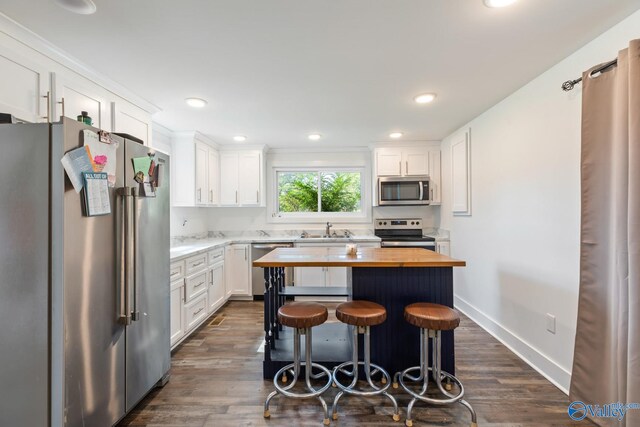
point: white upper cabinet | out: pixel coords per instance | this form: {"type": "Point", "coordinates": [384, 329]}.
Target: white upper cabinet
{"type": "Point", "coordinates": [402, 161]}
{"type": "Point", "coordinates": [213, 177]}
{"type": "Point", "coordinates": [73, 96]}
{"type": "Point", "coordinates": [194, 170]}
{"type": "Point", "coordinates": [24, 88]}
{"type": "Point", "coordinates": [241, 178]}
{"type": "Point", "coordinates": [129, 119]}
{"type": "Point", "coordinates": [435, 177]}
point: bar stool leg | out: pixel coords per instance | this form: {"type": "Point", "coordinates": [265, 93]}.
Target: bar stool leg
{"type": "Point", "coordinates": [294, 368]}
{"type": "Point", "coordinates": [366, 330]}
{"type": "Point", "coordinates": [437, 374]}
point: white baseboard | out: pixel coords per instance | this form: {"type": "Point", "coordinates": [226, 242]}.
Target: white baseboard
{"type": "Point", "coordinates": [546, 367]}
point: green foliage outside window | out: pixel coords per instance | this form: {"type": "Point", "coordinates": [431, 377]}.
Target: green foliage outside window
{"type": "Point", "coordinates": [319, 191]}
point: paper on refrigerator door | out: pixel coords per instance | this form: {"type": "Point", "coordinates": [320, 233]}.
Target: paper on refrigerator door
{"type": "Point", "coordinates": [75, 162]}
{"type": "Point", "coordinates": [104, 154]}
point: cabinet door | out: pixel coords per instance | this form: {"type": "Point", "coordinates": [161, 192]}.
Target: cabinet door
{"type": "Point", "coordinates": [202, 193]}
{"type": "Point", "coordinates": [213, 177]}
{"type": "Point", "coordinates": [176, 314]}
{"type": "Point", "coordinates": [127, 118]}
{"type": "Point", "coordinates": [72, 97]}
{"type": "Point", "coordinates": [336, 276]}
{"type": "Point", "coordinates": [237, 275]}
{"type": "Point", "coordinates": [435, 177]}
{"type": "Point", "coordinates": [388, 162]}
{"type": "Point", "coordinates": [416, 161]}
{"type": "Point", "coordinates": [23, 88]}
{"type": "Point", "coordinates": [216, 287]}
{"type": "Point", "coordinates": [249, 185]}
{"type": "Point", "coordinates": [229, 178]}
{"type": "Point", "coordinates": [443, 248]}
{"type": "Point", "coordinates": [309, 276]}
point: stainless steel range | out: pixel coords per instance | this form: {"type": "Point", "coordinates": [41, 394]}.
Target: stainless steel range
{"type": "Point", "coordinates": [403, 232]}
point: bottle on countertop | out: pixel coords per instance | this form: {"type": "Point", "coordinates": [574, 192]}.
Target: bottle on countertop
{"type": "Point", "coordinates": [84, 118]}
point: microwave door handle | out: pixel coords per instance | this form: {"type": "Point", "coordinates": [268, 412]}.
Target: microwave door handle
{"type": "Point", "coordinates": [421, 190]}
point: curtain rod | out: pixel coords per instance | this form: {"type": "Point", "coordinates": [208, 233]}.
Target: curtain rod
{"type": "Point", "coordinates": [569, 84]}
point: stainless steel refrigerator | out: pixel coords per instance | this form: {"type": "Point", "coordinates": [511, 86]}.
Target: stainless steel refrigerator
{"type": "Point", "coordinates": [84, 301]}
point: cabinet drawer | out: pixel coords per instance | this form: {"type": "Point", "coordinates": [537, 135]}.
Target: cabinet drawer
{"type": "Point", "coordinates": [215, 255]}
{"type": "Point", "coordinates": [176, 270]}
{"type": "Point", "coordinates": [196, 285]}
{"type": "Point", "coordinates": [196, 263]}
{"type": "Point", "coordinates": [195, 312]}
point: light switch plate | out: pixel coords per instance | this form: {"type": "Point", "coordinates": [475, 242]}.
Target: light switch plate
{"type": "Point", "coordinates": [551, 323]}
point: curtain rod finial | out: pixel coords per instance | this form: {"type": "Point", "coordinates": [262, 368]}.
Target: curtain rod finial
{"type": "Point", "coordinates": [568, 85]}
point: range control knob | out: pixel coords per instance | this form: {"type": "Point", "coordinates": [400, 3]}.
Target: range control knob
{"type": "Point", "coordinates": [385, 223]}
{"type": "Point", "coordinates": [417, 222]}
{"type": "Point", "coordinates": [413, 223]}
{"type": "Point", "coordinates": [379, 222]}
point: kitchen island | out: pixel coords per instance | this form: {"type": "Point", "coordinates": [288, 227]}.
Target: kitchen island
{"type": "Point", "coordinates": [392, 277]}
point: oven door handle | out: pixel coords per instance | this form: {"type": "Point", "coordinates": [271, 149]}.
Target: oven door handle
{"type": "Point", "coordinates": [408, 244]}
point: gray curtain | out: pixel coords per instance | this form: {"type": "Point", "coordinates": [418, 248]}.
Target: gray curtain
{"type": "Point", "coordinates": [606, 365]}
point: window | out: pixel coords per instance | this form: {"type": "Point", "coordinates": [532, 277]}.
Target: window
{"type": "Point", "coordinates": [318, 193]}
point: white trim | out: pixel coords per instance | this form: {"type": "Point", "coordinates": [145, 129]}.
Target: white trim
{"type": "Point", "coordinates": [324, 149]}
{"type": "Point", "coordinates": [546, 367]}
{"type": "Point", "coordinates": [406, 144]}
{"type": "Point", "coordinates": [157, 127]}
{"type": "Point", "coordinates": [37, 43]}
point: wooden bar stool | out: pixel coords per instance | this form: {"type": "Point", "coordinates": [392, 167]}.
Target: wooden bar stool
{"type": "Point", "coordinates": [301, 316]}
{"type": "Point", "coordinates": [361, 315]}
{"type": "Point", "coordinates": [432, 319]}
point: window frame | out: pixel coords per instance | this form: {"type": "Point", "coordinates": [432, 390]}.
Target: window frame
{"type": "Point", "coordinates": [363, 216]}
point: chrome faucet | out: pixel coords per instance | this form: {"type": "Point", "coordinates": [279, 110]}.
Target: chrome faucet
{"type": "Point", "coordinates": [327, 232]}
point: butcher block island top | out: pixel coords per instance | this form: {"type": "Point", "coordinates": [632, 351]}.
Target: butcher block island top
{"type": "Point", "coordinates": [365, 257]}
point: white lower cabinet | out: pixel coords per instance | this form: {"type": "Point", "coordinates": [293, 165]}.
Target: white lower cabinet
{"type": "Point", "coordinates": [195, 312]}
{"type": "Point", "coordinates": [197, 291]}
{"type": "Point", "coordinates": [176, 314]}
{"type": "Point", "coordinates": [443, 248]}
{"type": "Point", "coordinates": [238, 269]}
{"type": "Point", "coordinates": [217, 292]}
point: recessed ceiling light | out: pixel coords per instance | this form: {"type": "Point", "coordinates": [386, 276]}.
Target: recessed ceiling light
{"type": "Point", "coordinates": [81, 7]}
{"type": "Point", "coordinates": [498, 3]}
{"type": "Point", "coordinates": [425, 98]}
{"type": "Point", "coordinates": [195, 102]}
{"type": "Point", "coordinates": [315, 136]}
{"type": "Point", "coordinates": [395, 135]}
{"type": "Point", "coordinates": [239, 138]}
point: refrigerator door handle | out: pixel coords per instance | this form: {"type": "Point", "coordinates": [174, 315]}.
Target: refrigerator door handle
{"type": "Point", "coordinates": [124, 315]}
{"type": "Point", "coordinates": [135, 314]}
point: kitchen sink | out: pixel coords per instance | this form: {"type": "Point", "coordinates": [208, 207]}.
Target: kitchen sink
{"type": "Point", "coordinates": [320, 236]}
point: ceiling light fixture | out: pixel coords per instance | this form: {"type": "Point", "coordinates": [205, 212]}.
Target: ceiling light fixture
{"type": "Point", "coordinates": [315, 136]}
{"type": "Point", "coordinates": [239, 138]}
{"type": "Point", "coordinates": [396, 135]}
{"type": "Point", "coordinates": [498, 3]}
{"type": "Point", "coordinates": [425, 98]}
{"type": "Point", "coordinates": [195, 102]}
{"type": "Point", "coordinates": [81, 7]}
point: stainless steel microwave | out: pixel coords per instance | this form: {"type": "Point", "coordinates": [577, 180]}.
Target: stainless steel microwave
{"type": "Point", "coordinates": [398, 191]}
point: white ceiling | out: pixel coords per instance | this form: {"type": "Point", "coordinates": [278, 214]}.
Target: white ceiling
{"type": "Point", "coordinates": [276, 70]}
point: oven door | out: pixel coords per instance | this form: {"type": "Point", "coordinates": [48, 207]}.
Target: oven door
{"type": "Point", "coordinates": [403, 191]}
{"type": "Point", "coordinates": [431, 246]}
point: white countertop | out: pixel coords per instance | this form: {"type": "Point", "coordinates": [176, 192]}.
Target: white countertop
{"type": "Point", "coordinates": [194, 246]}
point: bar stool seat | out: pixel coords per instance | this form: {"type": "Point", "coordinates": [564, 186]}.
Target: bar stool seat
{"type": "Point", "coordinates": [302, 317]}
{"type": "Point", "coordinates": [432, 319]}
{"type": "Point", "coordinates": [426, 315]}
{"type": "Point", "coordinates": [361, 313]}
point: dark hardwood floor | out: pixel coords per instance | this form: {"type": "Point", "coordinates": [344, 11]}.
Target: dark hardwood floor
{"type": "Point", "coordinates": [216, 381]}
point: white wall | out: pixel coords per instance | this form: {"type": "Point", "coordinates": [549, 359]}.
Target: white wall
{"type": "Point", "coordinates": [521, 243]}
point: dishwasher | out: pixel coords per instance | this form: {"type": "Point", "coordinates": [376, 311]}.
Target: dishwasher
{"type": "Point", "coordinates": [258, 250]}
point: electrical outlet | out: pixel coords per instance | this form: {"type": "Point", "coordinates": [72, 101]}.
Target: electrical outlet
{"type": "Point", "coordinates": [551, 323]}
